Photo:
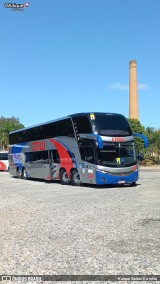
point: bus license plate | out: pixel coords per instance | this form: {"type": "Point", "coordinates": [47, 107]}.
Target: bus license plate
{"type": "Point", "coordinates": [121, 181]}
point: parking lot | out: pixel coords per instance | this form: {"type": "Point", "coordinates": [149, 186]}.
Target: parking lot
{"type": "Point", "coordinates": [47, 228]}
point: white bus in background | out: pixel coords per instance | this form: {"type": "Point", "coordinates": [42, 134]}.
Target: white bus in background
{"type": "Point", "coordinates": [4, 164]}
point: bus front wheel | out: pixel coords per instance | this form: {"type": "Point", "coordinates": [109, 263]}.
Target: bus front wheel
{"type": "Point", "coordinates": [75, 178]}
{"type": "Point", "coordinates": [64, 177]}
{"type": "Point", "coordinates": [133, 184]}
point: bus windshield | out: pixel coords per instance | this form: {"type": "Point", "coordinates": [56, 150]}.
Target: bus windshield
{"type": "Point", "coordinates": [111, 125]}
{"type": "Point", "coordinates": [117, 154]}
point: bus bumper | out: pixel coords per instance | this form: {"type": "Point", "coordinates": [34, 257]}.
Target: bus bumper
{"type": "Point", "coordinates": [106, 178]}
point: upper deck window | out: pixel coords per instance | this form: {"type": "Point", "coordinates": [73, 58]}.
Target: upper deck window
{"type": "Point", "coordinates": [111, 125]}
{"type": "Point", "coordinates": [82, 124]}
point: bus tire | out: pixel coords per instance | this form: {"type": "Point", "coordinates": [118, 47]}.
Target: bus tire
{"type": "Point", "coordinates": [64, 177]}
{"type": "Point", "coordinates": [75, 178]}
{"type": "Point", "coordinates": [133, 184]}
{"type": "Point", "coordinates": [24, 174]}
{"type": "Point", "coordinates": [19, 173]}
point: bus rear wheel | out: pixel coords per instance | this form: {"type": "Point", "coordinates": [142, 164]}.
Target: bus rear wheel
{"type": "Point", "coordinates": [24, 173]}
{"type": "Point", "coordinates": [64, 177]}
{"type": "Point", "coordinates": [75, 178]}
{"type": "Point", "coordinates": [19, 173]}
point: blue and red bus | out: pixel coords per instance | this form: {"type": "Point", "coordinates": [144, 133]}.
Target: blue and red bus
{"type": "Point", "coordinates": [92, 148]}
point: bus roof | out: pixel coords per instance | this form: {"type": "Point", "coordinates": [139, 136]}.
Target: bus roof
{"type": "Point", "coordinates": [68, 116]}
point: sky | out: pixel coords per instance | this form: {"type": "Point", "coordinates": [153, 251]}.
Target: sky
{"type": "Point", "coordinates": [59, 57]}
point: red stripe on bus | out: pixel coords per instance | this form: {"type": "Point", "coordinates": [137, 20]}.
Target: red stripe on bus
{"type": "Point", "coordinates": [65, 159]}
{"type": "Point", "coordinates": [48, 178]}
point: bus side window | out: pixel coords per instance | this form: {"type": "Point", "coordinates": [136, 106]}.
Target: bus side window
{"type": "Point", "coordinates": [87, 154]}
{"type": "Point", "coordinates": [65, 128]}
{"type": "Point", "coordinates": [55, 156]}
{"type": "Point", "coordinates": [44, 155]}
{"type": "Point", "coordinates": [82, 124]}
{"type": "Point", "coordinates": [28, 154]}
{"type": "Point", "coordinates": [86, 147]}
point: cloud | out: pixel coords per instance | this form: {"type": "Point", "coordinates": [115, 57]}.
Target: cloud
{"type": "Point", "coordinates": [143, 87]}
{"type": "Point", "coordinates": [125, 87]}
{"type": "Point", "coordinates": [119, 86]}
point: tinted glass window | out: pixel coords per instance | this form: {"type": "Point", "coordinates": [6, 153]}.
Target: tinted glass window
{"type": "Point", "coordinates": [27, 135]}
{"type": "Point", "coordinates": [86, 147]}
{"type": "Point", "coordinates": [14, 138]}
{"type": "Point", "coordinates": [111, 125]}
{"type": "Point", "coordinates": [54, 156]}
{"type": "Point", "coordinates": [65, 128]}
{"type": "Point", "coordinates": [117, 154]}
{"type": "Point", "coordinates": [61, 128]}
{"type": "Point", "coordinates": [33, 134]}
{"type": "Point", "coordinates": [82, 124]}
{"type": "Point", "coordinates": [3, 156]}
{"type": "Point", "coordinates": [38, 133]}
{"type": "Point", "coordinates": [36, 156]}
{"type": "Point", "coordinates": [51, 130]}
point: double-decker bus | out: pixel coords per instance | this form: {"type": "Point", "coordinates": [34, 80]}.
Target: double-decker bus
{"type": "Point", "coordinates": [92, 148]}
{"type": "Point", "coordinates": [4, 161]}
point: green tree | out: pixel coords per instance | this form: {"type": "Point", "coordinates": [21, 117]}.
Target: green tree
{"type": "Point", "coordinates": [154, 143]}
{"type": "Point", "coordinates": [7, 125]}
{"type": "Point", "coordinates": [150, 134]}
{"type": "Point", "coordinates": [137, 127]}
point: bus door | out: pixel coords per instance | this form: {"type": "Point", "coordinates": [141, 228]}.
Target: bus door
{"type": "Point", "coordinates": [87, 150]}
{"type": "Point", "coordinates": [38, 164]}
{"type": "Point", "coordinates": [53, 163]}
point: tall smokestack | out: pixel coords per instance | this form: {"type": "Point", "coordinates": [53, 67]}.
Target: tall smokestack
{"type": "Point", "coordinates": [133, 93]}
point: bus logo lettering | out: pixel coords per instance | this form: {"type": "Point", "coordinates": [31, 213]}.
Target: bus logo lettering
{"type": "Point", "coordinates": [118, 139]}
{"type": "Point", "coordinates": [38, 146]}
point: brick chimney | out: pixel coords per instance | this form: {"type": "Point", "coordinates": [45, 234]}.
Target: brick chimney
{"type": "Point", "coordinates": [133, 93]}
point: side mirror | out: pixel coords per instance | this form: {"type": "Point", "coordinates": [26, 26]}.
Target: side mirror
{"type": "Point", "coordinates": [140, 157]}
{"type": "Point", "coordinates": [145, 139]}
